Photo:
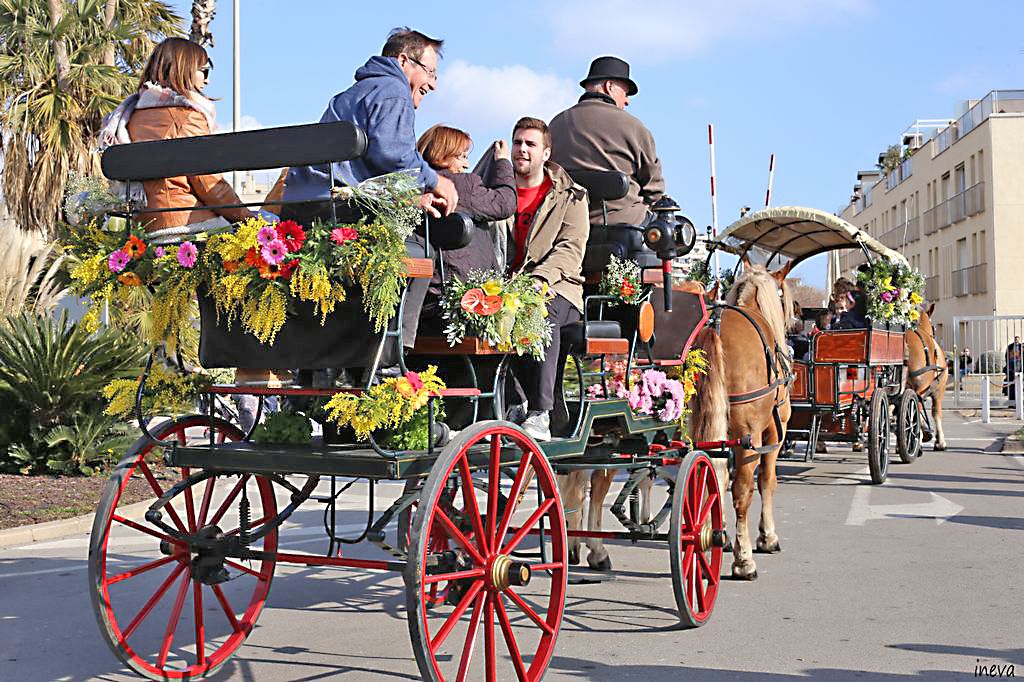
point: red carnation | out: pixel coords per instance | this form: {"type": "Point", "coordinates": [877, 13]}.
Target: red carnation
{"type": "Point", "coordinates": [292, 234]}
{"type": "Point", "coordinates": [288, 267]}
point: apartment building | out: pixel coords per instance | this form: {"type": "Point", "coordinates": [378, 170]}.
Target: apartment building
{"type": "Point", "coordinates": [955, 208]}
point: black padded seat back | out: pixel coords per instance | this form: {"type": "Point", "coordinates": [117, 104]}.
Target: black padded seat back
{"type": "Point", "coordinates": [451, 232]}
{"type": "Point", "coordinates": [601, 185]}
{"type": "Point", "coordinates": [302, 145]}
{"type": "Point", "coordinates": [597, 256]}
{"type": "Point", "coordinates": [576, 333]}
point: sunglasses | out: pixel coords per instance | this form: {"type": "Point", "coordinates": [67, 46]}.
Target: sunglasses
{"type": "Point", "coordinates": [205, 70]}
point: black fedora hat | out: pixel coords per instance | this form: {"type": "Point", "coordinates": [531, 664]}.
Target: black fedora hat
{"type": "Point", "coordinates": [610, 68]}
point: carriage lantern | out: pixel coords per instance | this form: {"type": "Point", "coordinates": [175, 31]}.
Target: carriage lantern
{"type": "Point", "coordinates": [669, 235]}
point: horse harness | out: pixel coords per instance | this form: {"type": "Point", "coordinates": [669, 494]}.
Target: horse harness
{"type": "Point", "coordinates": [777, 365]}
{"type": "Point", "coordinates": [928, 366]}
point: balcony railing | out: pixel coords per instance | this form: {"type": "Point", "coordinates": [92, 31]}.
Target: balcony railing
{"type": "Point", "coordinates": [910, 230]}
{"type": "Point", "coordinates": [972, 280]}
{"type": "Point", "coordinates": [995, 101]}
{"type": "Point", "coordinates": [958, 207]}
{"type": "Point", "coordinates": [899, 174]}
{"type": "Point", "coordinates": [931, 288]}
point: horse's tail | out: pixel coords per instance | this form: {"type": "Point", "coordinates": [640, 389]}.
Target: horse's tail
{"type": "Point", "coordinates": [709, 417]}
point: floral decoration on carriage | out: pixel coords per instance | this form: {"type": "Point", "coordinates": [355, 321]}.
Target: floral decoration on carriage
{"type": "Point", "coordinates": [893, 291]}
{"type": "Point", "coordinates": [621, 281]}
{"type": "Point", "coordinates": [508, 313]}
{"type": "Point", "coordinates": [256, 272]}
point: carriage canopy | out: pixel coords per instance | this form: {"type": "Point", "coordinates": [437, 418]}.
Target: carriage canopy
{"type": "Point", "coordinates": [796, 233]}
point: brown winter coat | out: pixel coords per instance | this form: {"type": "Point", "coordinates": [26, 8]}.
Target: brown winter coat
{"type": "Point", "coordinates": [191, 192]}
{"type": "Point", "coordinates": [558, 237]}
{"type": "Point", "coordinates": [596, 135]}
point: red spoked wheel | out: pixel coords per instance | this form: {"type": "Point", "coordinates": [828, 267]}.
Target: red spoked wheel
{"type": "Point", "coordinates": [167, 609]}
{"type": "Point", "coordinates": [696, 538]}
{"type": "Point", "coordinates": [438, 540]}
{"type": "Point", "coordinates": [486, 584]}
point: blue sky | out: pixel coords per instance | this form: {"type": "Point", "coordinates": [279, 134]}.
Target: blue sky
{"type": "Point", "coordinates": [825, 85]}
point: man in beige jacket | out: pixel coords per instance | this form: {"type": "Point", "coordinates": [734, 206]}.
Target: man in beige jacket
{"type": "Point", "coordinates": [598, 134]}
{"type": "Point", "coordinates": [549, 236]}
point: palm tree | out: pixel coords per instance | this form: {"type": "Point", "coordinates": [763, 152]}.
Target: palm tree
{"type": "Point", "coordinates": [63, 66]}
{"type": "Point", "coordinates": [203, 12]}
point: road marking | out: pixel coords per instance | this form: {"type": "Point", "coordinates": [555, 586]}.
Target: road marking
{"type": "Point", "coordinates": [861, 511]}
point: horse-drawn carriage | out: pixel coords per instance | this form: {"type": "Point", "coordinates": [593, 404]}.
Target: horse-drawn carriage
{"type": "Point", "coordinates": [846, 383]}
{"type": "Point", "coordinates": [476, 528]}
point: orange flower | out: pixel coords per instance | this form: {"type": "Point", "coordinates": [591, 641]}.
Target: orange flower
{"type": "Point", "coordinates": [404, 388]}
{"type": "Point", "coordinates": [129, 279]}
{"type": "Point", "coordinates": [231, 265]}
{"type": "Point", "coordinates": [627, 289]}
{"type": "Point", "coordinates": [134, 247]}
{"type": "Point", "coordinates": [471, 299]}
{"type": "Point", "coordinates": [490, 305]}
{"type": "Point", "coordinates": [269, 271]}
{"type": "Point", "coordinates": [252, 258]}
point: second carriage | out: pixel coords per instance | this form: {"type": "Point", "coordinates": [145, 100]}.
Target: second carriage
{"type": "Point", "coordinates": [851, 384]}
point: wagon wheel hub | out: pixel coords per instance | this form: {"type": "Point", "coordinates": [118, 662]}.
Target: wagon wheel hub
{"type": "Point", "coordinates": [208, 562]}
{"type": "Point", "coordinates": [505, 572]}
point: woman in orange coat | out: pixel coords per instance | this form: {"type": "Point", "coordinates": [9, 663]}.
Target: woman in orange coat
{"type": "Point", "coordinates": [170, 103]}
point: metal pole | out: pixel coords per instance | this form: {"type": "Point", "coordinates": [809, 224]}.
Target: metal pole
{"type": "Point", "coordinates": [771, 176]}
{"type": "Point", "coordinates": [714, 199]}
{"type": "Point", "coordinates": [236, 88]}
{"type": "Point", "coordinates": [1018, 400]}
{"type": "Point", "coordinates": [986, 416]}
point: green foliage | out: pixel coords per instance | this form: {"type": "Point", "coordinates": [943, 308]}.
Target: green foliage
{"type": "Point", "coordinates": [284, 427]}
{"type": "Point", "coordinates": [51, 376]}
{"type": "Point", "coordinates": [49, 120]}
{"type": "Point", "coordinates": [415, 433]}
{"type": "Point", "coordinates": [88, 446]}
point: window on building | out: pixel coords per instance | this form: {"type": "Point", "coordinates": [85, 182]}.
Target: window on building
{"type": "Point", "coordinates": [945, 187]}
{"type": "Point", "coordinates": [974, 172]}
{"type": "Point", "coordinates": [960, 178]}
{"type": "Point", "coordinates": [962, 254]}
{"type": "Point", "coordinates": [974, 248]}
{"type": "Point", "coordinates": [982, 247]}
{"type": "Point", "coordinates": [981, 165]}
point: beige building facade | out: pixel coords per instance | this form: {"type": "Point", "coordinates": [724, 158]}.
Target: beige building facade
{"type": "Point", "coordinates": [955, 208]}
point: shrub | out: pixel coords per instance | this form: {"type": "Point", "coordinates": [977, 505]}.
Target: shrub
{"type": "Point", "coordinates": [51, 376]}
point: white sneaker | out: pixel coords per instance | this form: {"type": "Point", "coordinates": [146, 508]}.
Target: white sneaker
{"type": "Point", "coordinates": [538, 426]}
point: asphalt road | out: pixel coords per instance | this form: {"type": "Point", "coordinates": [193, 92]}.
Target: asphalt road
{"type": "Point", "coordinates": [918, 578]}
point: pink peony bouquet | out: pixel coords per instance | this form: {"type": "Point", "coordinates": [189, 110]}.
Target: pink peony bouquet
{"type": "Point", "coordinates": [656, 395]}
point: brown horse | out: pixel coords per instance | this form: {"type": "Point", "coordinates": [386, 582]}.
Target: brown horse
{"type": "Point", "coordinates": [926, 370]}
{"type": "Point", "coordinates": [746, 393]}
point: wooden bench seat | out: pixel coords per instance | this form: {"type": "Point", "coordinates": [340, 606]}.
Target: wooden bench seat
{"type": "Point", "coordinates": [643, 362]}
{"type": "Point", "coordinates": [438, 345]}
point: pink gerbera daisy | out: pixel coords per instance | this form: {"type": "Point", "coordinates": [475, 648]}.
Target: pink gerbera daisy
{"type": "Point", "coordinates": [118, 260]}
{"type": "Point", "coordinates": [187, 254]}
{"type": "Point", "coordinates": [274, 251]}
{"type": "Point", "coordinates": [266, 235]}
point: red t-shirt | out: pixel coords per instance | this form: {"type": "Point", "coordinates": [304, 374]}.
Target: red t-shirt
{"type": "Point", "coordinates": [528, 201]}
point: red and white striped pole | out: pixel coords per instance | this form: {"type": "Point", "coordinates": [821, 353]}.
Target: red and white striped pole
{"type": "Point", "coordinates": [771, 176]}
{"type": "Point", "coordinates": [714, 198]}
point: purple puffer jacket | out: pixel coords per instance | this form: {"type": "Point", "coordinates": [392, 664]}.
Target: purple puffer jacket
{"type": "Point", "coordinates": [484, 200]}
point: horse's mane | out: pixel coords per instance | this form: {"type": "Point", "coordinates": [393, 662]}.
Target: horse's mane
{"type": "Point", "coordinates": [756, 288]}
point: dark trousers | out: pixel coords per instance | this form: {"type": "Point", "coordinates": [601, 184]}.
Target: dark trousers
{"type": "Point", "coordinates": [538, 377]}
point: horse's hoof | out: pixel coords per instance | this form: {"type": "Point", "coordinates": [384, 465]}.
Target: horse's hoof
{"type": "Point", "coordinates": [741, 574]}
{"type": "Point", "coordinates": [926, 437]}
{"type": "Point", "coordinates": [574, 556]}
{"type": "Point", "coordinates": [939, 447]}
{"type": "Point", "coordinates": [764, 548]}
{"type": "Point", "coordinates": [858, 447]}
{"type": "Point", "coordinates": [604, 564]}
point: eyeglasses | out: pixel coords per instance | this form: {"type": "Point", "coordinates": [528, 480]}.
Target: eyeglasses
{"type": "Point", "coordinates": [426, 69]}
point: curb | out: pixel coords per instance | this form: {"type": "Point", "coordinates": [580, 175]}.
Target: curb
{"type": "Point", "coordinates": [53, 530]}
{"type": "Point", "coordinates": [1012, 445]}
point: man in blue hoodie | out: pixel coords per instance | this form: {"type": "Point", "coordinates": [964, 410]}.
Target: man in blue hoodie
{"type": "Point", "coordinates": [382, 102]}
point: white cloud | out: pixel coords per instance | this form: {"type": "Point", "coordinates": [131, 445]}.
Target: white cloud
{"type": "Point", "coordinates": [246, 122]}
{"type": "Point", "coordinates": [486, 101]}
{"type": "Point", "coordinates": [659, 29]}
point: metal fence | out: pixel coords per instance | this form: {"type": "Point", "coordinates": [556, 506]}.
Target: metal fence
{"type": "Point", "coordinates": [988, 341]}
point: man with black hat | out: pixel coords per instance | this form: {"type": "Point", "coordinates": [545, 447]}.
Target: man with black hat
{"type": "Point", "coordinates": [597, 134]}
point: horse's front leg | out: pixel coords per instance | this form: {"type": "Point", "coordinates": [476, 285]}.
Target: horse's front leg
{"type": "Point", "coordinates": [600, 482]}
{"type": "Point", "coordinates": [767, 539]}
{"type": "Point", "coordinates": [646, 487]}
{"type": "Point", "coordinates": [574, 488]}
{"type": "Point", "coordinates": [743, 565]}
{"type": "Point", "coordinates": [940, 436]}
